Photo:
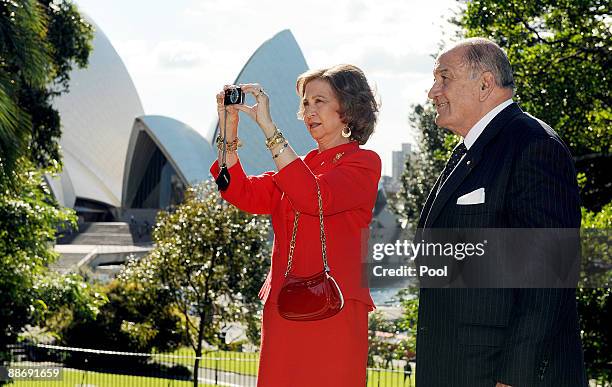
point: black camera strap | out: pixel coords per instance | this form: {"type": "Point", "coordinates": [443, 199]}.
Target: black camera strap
{"type": "Point", "coordinates": [223, 180]}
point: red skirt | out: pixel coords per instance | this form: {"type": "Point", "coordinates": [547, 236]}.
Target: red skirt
{"type": "Point", "coordinates": [325, 353]}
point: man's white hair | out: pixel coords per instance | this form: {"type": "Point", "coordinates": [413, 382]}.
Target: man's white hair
{"type": "Point", "coordinates": [482, 54]}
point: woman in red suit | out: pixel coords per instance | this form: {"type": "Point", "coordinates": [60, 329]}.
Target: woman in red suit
{"type": "Point", "coordinates": [339, 110]}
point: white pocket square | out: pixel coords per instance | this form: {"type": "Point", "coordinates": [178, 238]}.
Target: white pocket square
{"type": "Point", "coordinates": [474, 197]}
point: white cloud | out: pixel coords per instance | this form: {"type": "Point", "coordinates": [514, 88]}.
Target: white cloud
{"type": "Point", "coordinates": [389, 63]}
{"type": "Point", "coordinates": [180, 54]}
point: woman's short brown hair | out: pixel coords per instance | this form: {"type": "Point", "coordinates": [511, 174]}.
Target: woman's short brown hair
{"type": "Point", "coordinates": [358, 106]}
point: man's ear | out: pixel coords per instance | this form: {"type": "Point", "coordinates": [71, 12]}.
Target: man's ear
{"type": "Point", "coordinates": [487, 84]}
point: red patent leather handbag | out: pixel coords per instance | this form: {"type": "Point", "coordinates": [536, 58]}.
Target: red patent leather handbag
{"type": "Point", "coordinates": [312, 298]}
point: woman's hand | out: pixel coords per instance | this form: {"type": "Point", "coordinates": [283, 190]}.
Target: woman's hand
{"type": "Point", "coordinates": [232, 116]}
{"type": "Point", "coordinates": [260, 112]}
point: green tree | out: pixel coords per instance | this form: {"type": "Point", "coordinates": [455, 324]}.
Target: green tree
{"type": "Point", "coordinates": [394, 339]}
{"type": "Point", "coordinates": [560, 52]}
{"type": "Point", "coordinates": [40, 41]}
{"type": "Point", "coordinates": [595, 303]}
{"type": "Point", "coordinates": [60, 300]}
{"type": "Point", "coordinates": [382, 345]}
{"type": "Point", "coordinates": [210, 260]}
{"type": "Point", "coordinates": [24, 59]}
{"type": "Point", "coordinates": [137, 316]}
{"type": "Point", "coordinates": [410, 305]}
{"type": "Point", "coordinates": [28, 223]}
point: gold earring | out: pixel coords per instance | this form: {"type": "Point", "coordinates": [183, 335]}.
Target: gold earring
{"type": "Point", "coordinates": [346, 134]}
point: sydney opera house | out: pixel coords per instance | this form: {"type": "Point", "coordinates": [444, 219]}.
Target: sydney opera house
{"type": "Point", "coordinates": [121, 164]}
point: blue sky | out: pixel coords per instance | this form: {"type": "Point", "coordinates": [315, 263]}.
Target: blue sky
{"type": "Point", "coordinates": [180, 52]}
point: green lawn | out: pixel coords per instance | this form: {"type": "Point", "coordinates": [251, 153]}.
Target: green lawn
{"type": "Point", "coordinates": [72, 378]}
{"type": "Point", "coordinates": [238, 362]}
{"type": "Point", "coordinates": [388, 379]}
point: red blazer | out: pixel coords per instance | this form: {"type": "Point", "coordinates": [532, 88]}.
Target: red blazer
{"type": "Point", "coordinates": [348, 178]}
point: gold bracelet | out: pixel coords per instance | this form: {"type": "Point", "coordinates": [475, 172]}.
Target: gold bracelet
{"type": "Point", "coordinates": [275, 139]}
{"type": "Point", "coordinates": [276, 131]}
{"type": "Point", "coordinates": [231, 146]}
{"type": "Point", "coordinates": [282, 150]}
{"type": "Point", "coordinates": [279, 140]}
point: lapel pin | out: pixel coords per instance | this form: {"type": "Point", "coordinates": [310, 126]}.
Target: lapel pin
{"type": "Point", "coordinates": [337, 157]}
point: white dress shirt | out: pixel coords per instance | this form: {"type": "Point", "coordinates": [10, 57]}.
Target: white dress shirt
{"type": "Point", "coordinates": [477, 129]}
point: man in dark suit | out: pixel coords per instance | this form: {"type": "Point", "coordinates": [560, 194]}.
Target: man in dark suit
{"type": "Point", "coordinates": [509, 171]}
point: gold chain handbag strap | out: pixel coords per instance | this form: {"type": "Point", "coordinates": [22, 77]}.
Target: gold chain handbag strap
{"type": "Point", "coordinates": [293, 235]}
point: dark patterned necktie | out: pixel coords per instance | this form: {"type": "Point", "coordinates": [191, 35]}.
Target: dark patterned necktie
{"type": "Point", "coordinates": [452, 162]}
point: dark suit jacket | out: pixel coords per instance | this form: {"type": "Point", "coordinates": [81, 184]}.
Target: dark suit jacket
{"type": "Point", "coordinates": [521, 337]}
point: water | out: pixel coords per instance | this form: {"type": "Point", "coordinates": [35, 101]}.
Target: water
{"type": "Point", "coordinates": [385, 296]}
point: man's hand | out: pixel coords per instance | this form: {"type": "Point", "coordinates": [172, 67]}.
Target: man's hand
{"type": "Point", "coordinates": [499, 384]}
